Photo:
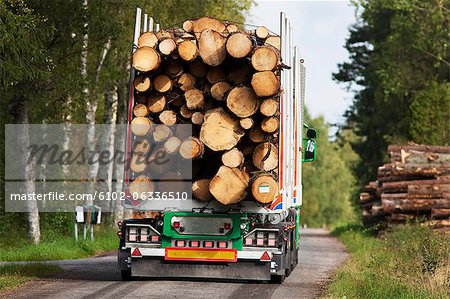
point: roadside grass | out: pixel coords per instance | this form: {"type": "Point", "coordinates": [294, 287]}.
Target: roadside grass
{"type": "Point", "coordinates": [408, 261]}
{"type": "Point", "coordinates": [57, 247]}
{"type": "Point", "coordinates": [12, 276]}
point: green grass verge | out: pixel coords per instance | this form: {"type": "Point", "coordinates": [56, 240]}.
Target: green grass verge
{"type": "Point", "coordinates": [12, 276]}
{"type": "Point", "coordinates": [59, 247]}
{"type": "Point", "coordinates": [408, 261]}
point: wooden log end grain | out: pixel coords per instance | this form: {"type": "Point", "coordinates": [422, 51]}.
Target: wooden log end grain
{"type": "Point", "coordinates": [142, 83]}
{"type": "Point", "coordinates": [194, 99]}
{"type": "Point", "coordinates": [219, 90]}
{"type": "Point", "coordinates": [186, 82]}
{"type": "Point", "coordinates": [270, 124]}
{"type": "Point", "coordinates": [191, 148]}
{"type": "Point", "coordinates": [168, 117]}
{"type": "Point", "coordinates": [200, 190]}
{"type": "Point", "coordinates": [156, 103]}
{"type": "Point", "coordinates": [148, 39]}
{"type": "Point", "coordinates": [264, 59]}
{"type": "Point", "coordinates": [167, 46]}
{"type": "Point", "coordinates": [265, 156]}
{"type": "Point", "coordinates": [239, 45]}
{"type": "Point", "coordinates": [268, 107]}
{"type": "Point", "coordinates": [172, 145]}
{"type": "Point", "coordinates": [233, 158]}
{"type": "Point", "coordinates": [188, 25]}
{"type": "Point", "coordinates": [211, 47]}
{"type": "Point", "coordinates": [161, 133]}
{"type": "Point", "coordinates": [188, 50]}
{"type": "Point", "coordinates": [140, 110]}
{"type": "Point", "coordinates": [229, 185]}
{"type": "Point", "coordinates": [265, 84]}
{"type": "Point", "coordinates": [246, 123]}
{"type": "Point", "coordinates": [274, 41]}
{"type": "Point", "coordinates": [141, 126]}
{"type": "Point", "coordinates": [242, 101]}
{"type": "Point", "coordinates": [197, 118]}
{"type": "Point", "coordinates": [138, 163]}
{"type": "Point", "coordinates": [265, 189]}
{"type": "Point", "coordinates": [207, 23]}
{"type": "Point", "coordinates": [146, 59]}
{"type": "Point", "coordinates": [139, 187]}
{"type": "Point", "coordinates": [162, 83]}
{"type": "Point", "coordinates": [262, 32]}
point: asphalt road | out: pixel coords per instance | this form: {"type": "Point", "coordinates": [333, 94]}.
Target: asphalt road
{"type": "Point", "coordinates": [98, 277]}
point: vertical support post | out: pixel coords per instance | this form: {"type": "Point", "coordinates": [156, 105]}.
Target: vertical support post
{"type": "Point", "coordinates": [157, 27]}
{"type": "Point", "coordinates": [144, 29]}
{"type": "Point", "coordinates": [137, 27]}
{"type": "Point", "coordinates": [150, 24]}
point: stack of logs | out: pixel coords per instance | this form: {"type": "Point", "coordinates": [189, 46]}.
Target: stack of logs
{"type": "Point", "coordinates": [225, 81]}
{"type": "Point", "coordinates": [415, 186]}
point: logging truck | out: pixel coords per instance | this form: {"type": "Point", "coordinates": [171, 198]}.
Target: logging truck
{"type": "Point", "coordinates": [239, 90]}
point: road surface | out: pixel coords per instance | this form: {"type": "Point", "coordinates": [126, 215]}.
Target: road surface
{"type": "Point", "coordinates": [98, 277]}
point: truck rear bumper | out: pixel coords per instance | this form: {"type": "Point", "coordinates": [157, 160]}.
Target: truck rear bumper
{"type": "Point", "coordinates": [244, 270]}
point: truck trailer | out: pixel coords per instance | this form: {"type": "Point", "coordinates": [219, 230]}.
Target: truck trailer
{"type": "Point", "coordinates": [245, 240]}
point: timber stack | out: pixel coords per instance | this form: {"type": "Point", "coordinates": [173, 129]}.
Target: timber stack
{"type": "Point", "coordinates": [224, 80]}
{"type": "Point", "coordinates": [414, 186]}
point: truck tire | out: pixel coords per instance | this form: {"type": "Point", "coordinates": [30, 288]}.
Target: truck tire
{"type": "Point", "coordinates": [126, 275]}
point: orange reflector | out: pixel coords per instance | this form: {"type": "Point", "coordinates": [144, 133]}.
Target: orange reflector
{"type": "Point", "coordinates": [205, 255]}
{"type": "Point", "coordinates": [265, 256]}
{"type": "Point", "coordinates": [136, 252]}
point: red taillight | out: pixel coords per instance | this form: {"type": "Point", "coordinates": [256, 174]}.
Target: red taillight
{"type": "Point", "coordinates": [259, 242]}
{"type": "Point", "coordinates": [227, 226]}
{"type": "Point", "coordinates": [176, 224]}
{"type": "Point", "coordinates": [207, 244]}
{"type": "Point", "coordinates": [136, 252]}
{"type": "Point", "coordinates": [119, 234]}
{"type": "Point", "coordinates": [248, 241]}
{"type": "Point", "coordinates": [180, 243]}
{"type": "Point", "coordinates": [119, 224]}
{"type": "Point", "coordinates": [271, 242]}
{"type": "Point", "coordinates": [155, 239]}
{"type": "Point", "coordinates": [265, 256]}
{"type": "Point", "coordinates": [222, 245]}
{"type": "Point", "coordinates": [195, 244]}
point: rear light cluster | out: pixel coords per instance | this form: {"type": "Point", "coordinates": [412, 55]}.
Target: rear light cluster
{"type": "Point", "coordinates": [137, 234]}
{"type": "Point", "coordinates": [262, 239]}
{"type": "Point", "coordinates": [201, 244]}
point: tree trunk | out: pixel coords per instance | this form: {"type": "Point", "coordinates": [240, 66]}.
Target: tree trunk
{"type": "Point", "coordinates": [19, 111]}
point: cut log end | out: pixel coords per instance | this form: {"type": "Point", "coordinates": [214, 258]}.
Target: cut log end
{"type": "Point", "coordinates": [265, 84]}
{"type": "Point", "coordinates": [188, 50]}
{"type": "Point", "coordinates": [246, 123]}
{"type": "Point", "coordinates": [140, 110]}
{"type": "Point", "coordinates": [268, 107]}
{"type": "Point", "coordinates": [146, 59]}
{"type": "Point", "coordinates": [197, 118]}
{"type": "Point", "coordinates": [162, 83]}
{"type": "Point", "coordinates": [239, 45]}
{"type": "Point", "coordinates": [212, 47]}
{"type": "Point", "coordinates": [172, 145]}
{"type": "Point", "coordinates": [194, 99]}
{"type": "Point", "coordinates": [156, 103]}
{"type": "Point", "coordinates": [233, 158]}
{"type": "Point", "coordinates": [168, 117]}
{"type": "Point", "coordinates": [264, 59]}
{"type": "Point", "coordinates": [229, 185]}
{"type": "Point", "coordinates": [142, 83]}
{"type": "Point", "coordinates": [219, 90]}
{"type": "Point", "coordinates": [270, 124]}
{"type": "Point", "coordinates": [141, 126]}
{"type": "Point", "coordinates": [167, 46]}
{"type": "Point", "coordinates": [265, 156]}
{"type": "Point", "coordinates": [262, 32]}
{"type": "Point", "coordinates": [242, 101]}
{"type": "Point", "coordinates": [265, 189]}
{"type": "Point", "coordinates": [191, 148]}
{"type": "Point", "coordinates": [200, 190]}
{"type": "Point", "coordinates": [161, 133]}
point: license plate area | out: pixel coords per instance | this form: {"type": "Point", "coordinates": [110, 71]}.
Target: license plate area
{"type": "Point", "coordinates": [201, 255]}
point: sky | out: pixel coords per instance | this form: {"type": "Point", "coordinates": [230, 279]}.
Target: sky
{"type": "Point", "coordinates": [320, 29]}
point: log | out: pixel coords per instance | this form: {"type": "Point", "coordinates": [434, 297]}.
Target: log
{"type": "Point", "coordinates": [172, 145]}
{"type": "Point", "coordinates": [239, 74]}
{"type": "Point", "coordinates": [188, 25]}
{"type": "Point", "coordinates": [265, 189]}
{"type": "Point", "coordinates": [197, 118]}
{"type": "Point", "coordinates": [200, 190]}
{"type": "Point", "coordinates": [265, 84]}
{"type": "Point", "coordinates": [167, 46]}
{"type": "Point", "coordinates": [191, 148]}
{"type": "Point", "coordinates": [418, 157]}
{"type": "Point", "coordinates": [194, 99]}
{"type": "Point", "coordinates": [140, 110]}
{"type": "Point", "coordinates": [220, 131]}
{"type": "Point", "coordinates": [264, 59]}
{"type": "Point", "coordinates": [262, 32]}
{"type": "Point", "coordinates": [229, 185]}
{"type": "Point", "coordinates": [239, 45]}
{"type": "Point", "coordinates": [232, 28]}
{"type": "Point", "coordinates": [156, 103]}
{"type": "Point", "coordinates": [440, 213]}
{"type": "Point", "coordinates": [233, 158]}
{"type": "Point", "coordinates": [148, 39]}
{"type": "Point", "coordinates": [265, 156]}
{"type": "Point", "coordinates": [163, 34]}
{"type": "Point", "coordinates": [185, 112]}
{"type": "Point", "coordinates": [219, 89]}
{"type": "Point", "coordinates": [174, 69]}
{"type": "Point", "coordinates": [257, 135]}
{"type": "Point", "coordinates": [186, 82]}
{"type": "Point", "coordinates": [146, 59]}
{"type": "Point", "coordinates": [207, 23]}
{"type": "Point", "coordinates": [198, 69]}
{"type": "Point", "coordinates": [138, 163]}
{"type": "Point", "coordinates": [211, 47]}
{"type": "Point", "coordinates": [422, 148]}
{"type": "Point", "coordinates": [161, 133]}
{"type": "Point", "coordinates": [188, 50]}
{"type": "Point", "coordinates": [141, 126]}
{"type": "Point", "coordinates": [412, 205]}
{"type": "Point", "coordinates": [168, 117]}
{"type": "Point", "coordinates": [274, 41]}
{"type": "Point", "coordinates": [142, 83]}
{"type": "Point", "coordinates": [162, 83]}
{"type": "Point", "coordinates": [268, 107]}
{"type": "Point", "coordinates": [270, 124]}
{"type": "Point", "coordinates": [215, 74]}
{"type": "Point", "coordinates": [246, 123]}
{"type": "Point", "coordinates": [242, 101]}
{"type": "Point", "coordinates": [140, 187]}
{"type": "Point", "coordinates": [141, 147]}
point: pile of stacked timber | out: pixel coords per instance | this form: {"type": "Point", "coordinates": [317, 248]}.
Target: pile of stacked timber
{"type": "Point", "coordinates": [415, 186]}
{"type": "Point", "coordinates": [225, 81]}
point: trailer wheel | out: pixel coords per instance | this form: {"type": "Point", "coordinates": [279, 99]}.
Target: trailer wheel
{"type": "Point", "coordinates": [126, 275]}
